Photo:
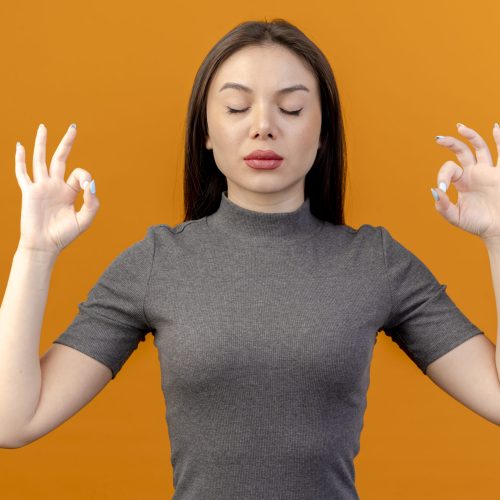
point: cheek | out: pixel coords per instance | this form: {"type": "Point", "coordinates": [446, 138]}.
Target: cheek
{"type": "Point", "coordinates": [223, 133]}
{"type": "Point", "coordinates": [306, 136]}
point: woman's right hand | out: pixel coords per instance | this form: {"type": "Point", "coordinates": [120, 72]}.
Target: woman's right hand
{"type": "Point", "coordinates": [49, 222]}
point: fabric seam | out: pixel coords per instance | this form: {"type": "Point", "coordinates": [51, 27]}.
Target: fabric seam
{"type": "Point", "coordinates": [148, 323]}
{"type": "Point", "coordinates": [186, 224]}
{"type": "Point", "coordinates": [420, 362]}
{"type": "Point", "coordinates": [387, 273]}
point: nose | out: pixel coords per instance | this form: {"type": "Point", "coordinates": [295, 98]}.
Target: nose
{"type": "Point", "coordinates": [262, 124]}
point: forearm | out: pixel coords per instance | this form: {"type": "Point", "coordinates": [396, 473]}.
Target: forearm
{"type": "Point", "coordinates": [21, 317]}
{"type": "Point", "coordinates": [493, 249]}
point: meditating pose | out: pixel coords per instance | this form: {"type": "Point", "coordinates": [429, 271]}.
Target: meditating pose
{"type": "Point", "coordinates": [264, 305]}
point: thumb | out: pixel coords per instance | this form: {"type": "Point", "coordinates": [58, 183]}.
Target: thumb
{"type": "Point", "coordinates": [444, 206]}
{"type": "Point", "coordinates": [90, 206]}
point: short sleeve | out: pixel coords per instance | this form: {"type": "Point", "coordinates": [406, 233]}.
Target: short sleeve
{"type": "Point", "coordinates": [424, 321]}
{"type": "Point", "coordinates": [111, 322]}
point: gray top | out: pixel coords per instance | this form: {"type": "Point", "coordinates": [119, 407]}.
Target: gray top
{"type": "Point", "coordinates": [265, 326]}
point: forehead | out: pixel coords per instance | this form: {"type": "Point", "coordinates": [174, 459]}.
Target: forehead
{"type": "Point", "coordinates": [263, 68]}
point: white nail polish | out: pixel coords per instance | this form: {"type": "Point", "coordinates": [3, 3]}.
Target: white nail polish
{"type": "Point", "coordinates": [442, 186]}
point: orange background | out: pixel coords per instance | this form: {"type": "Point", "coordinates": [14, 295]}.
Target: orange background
{"type": "Point", "coordinates": [123, 72]}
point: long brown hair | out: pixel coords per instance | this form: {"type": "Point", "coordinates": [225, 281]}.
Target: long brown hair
{"type": "Point", "coordinates": [324, 182]}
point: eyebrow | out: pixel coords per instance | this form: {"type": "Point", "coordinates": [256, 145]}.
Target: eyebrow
{"type": "Point", "coordinates": [239, 86]}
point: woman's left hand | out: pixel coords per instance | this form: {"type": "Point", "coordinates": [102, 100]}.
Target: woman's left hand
{"type": "Point", "coordinates": [477, 181]}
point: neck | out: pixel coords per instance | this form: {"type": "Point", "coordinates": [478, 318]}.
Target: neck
{"type": "Point", "coordinates": [267, 202]}
{"type": "Point", "coordinates": [238, 222]}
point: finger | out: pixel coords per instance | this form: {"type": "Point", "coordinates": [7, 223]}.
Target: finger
{"type": "Point", "coordinates": [88, 210]}
{"type": "Point", "coordinates": [464, 154]}
{"type": "Point", "coordinates": [446, 208]}
{"type": "Point", "coordinates": [39, 166]}
{"type": "Point", "coordinates": [496, 136]}
{"type": "Point", "coordinates": [77, 179]}
{"type": "Point", "coordinates": [58, 162]}
{"type": "Point", "coordinates": [23, 179]}
{"type": "Point", "coordinates": [449, 173]}
{"type": "Point", "coordinates": [483, 154]}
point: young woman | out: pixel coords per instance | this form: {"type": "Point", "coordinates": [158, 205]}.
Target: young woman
{"type": "Point", "coordinates": [264, 305]}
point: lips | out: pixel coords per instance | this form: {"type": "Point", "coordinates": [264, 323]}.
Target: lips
{"type": "Point", "coordinates": [260, 154]}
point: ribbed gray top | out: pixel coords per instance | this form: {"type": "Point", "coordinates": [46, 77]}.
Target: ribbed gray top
{"type": "Point", "coordinates": [265, 326]}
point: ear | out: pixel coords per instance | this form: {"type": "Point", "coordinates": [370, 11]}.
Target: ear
{"type": "Point", "coordinates": [208, 143]}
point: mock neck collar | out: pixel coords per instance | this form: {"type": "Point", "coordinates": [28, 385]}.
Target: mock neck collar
{"type": "Point", "coordinates": [245, 224]}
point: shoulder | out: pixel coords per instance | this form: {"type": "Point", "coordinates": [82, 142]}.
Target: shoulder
{"type": "Point", "coordinates": [366, 235]}
{"type": "Point", "coordinates": [365, 230]}
{"type": "Point", "coordinates": [176, 233]}
{"type": "Point", "coordinates": [377, 239]}
{"type": "Point", "coordinates": [182, 238]}
{"type": "Point", "coordinates": [167, 229]}
{"type": "Point", "coordinates": [136, 258]}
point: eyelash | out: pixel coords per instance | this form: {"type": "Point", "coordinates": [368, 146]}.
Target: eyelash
{"type": "Point", "coordinates": [294, 113]}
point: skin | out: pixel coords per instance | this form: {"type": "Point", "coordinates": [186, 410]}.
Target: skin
{"type": "Point", "coordinates": [265, 70]}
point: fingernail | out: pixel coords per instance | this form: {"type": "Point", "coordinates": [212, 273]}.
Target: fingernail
{"type": "Point", "coordinates": [18, 144]}
{"type": "Point", "coordinates": [439, 137]}
{"type": "Point", "coordinates": [496, 125]}
{"type": "Point", "coordinates": [460, 125]}
{"type": "Point", "coordinates": [442, 186]}
{"type": "Point", "coordinates": [42, 125]}
{"type": "Point", "coordinates": [92, 187]}
{"type": "Point", "coordinates": [73, 125]}
{"type": "Point", "coordinates": [85, 184]}
{"type": "Point", "coordinates": [434, 194]}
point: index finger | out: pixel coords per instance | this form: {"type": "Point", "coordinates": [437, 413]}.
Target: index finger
{"type": "Point", "coordinates": [58, 162]}
{"type": "Point", "coordinates": [462, 151]}
{"type": "Point", "coordinates": [482, 151]}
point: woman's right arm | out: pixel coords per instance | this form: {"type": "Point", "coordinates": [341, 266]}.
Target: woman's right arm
{"type": "Point", "coordinates": [21, 317]}
{"type": "Point", "coordinates": [36, 396]}
{"type": "Point", "coordinates": [48, 224]}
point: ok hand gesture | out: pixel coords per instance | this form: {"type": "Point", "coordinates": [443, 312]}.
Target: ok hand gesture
{"type": "Point", "coordinates": [477, 181]}
{"type": "Point", "coordinates": [49, 221]}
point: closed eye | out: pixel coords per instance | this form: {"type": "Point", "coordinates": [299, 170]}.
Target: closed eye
{"type": "Point", "coordinates": [295, 113]}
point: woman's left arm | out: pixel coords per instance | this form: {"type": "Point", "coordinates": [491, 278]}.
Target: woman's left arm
{"type": "Point", "coordinates": [470, 372]}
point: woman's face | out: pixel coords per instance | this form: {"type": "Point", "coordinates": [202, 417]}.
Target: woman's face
{"type": "Point", "coordinates": [264, 124]}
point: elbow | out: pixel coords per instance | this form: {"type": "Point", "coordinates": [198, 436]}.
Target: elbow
{"type": "Point", "coordinates": [11, 444]}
